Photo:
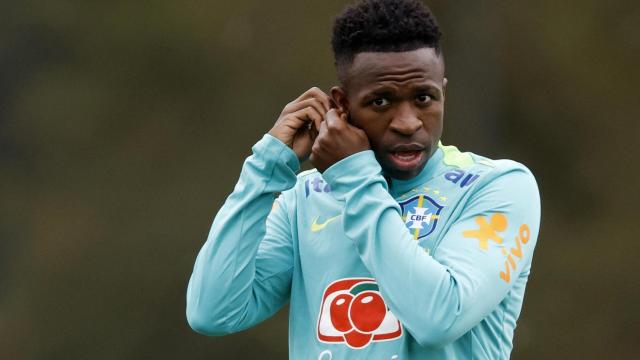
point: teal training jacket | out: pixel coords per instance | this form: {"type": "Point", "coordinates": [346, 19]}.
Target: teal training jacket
{"type": "Point", "coordinates": [434, 267]}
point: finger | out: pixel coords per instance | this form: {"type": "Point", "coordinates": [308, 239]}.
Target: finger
{"type": "Point", "coordinates": [296, 120]}
{"type": "Point", "coordinates": [312, 158]}
{"type": "Point", "coordinates": [318, 94]}
{"type": "Point", "coordinates": [319, 109]}
{"type": "Point", "coordinates": [315, 116]}
{"type": "Point", "coordinates": [295, 106]}
{"type": "Point", "coordinates": [322, 130]}
{"type": "Point", "coordinates": [308, 113]}
{"type": "Point", "coordinates": [312, 134]}
{"type": "Point", "coordinates": [334, 119]}
{"type": "Point", "coordinates": [319, 139]}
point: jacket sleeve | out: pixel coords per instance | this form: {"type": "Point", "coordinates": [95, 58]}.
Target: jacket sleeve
{"type": "Point", "coordinates": [439, 297]}
{"type": "Point", "coordinates": [242, 274]}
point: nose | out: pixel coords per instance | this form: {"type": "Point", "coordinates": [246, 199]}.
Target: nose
{"type": "Point", "coordinates": [405, 121]}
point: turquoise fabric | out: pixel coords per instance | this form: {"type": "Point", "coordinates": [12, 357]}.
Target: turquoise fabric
{"type": "Point", "coordinates": [430, 268]}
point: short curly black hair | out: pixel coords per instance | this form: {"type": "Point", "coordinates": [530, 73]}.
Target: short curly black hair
{"type": "Point", "coordinates": [383, 26]}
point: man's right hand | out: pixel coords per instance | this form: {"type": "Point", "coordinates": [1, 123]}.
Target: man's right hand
{"type": "Point", "coordinates": [300, 120]}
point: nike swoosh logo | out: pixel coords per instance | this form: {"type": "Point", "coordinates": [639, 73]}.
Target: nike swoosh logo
{"type": "Point", "coordinates": [315, 227]}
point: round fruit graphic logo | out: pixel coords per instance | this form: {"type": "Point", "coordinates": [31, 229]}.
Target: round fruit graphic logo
{"type": "Point", "coordinates": [354, 312]}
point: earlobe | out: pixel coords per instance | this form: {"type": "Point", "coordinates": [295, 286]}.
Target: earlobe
{"type": "Point", "coordinates": [339, 98]}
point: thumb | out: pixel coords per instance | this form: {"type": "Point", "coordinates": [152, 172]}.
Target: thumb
{"type": "Point", "coordinates": [339, 118]}
{"type": "Point", "coordinates": [333, 118]}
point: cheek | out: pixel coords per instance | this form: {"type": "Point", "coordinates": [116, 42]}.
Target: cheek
{"type": "Point", "coordinates": [433, 126]}
{"type": "Point", "coordinates": [373, 124]}
{"type": "Point", "coordinates": [432, 122]}
{"type": "Point", "coordinates": [376, 136]}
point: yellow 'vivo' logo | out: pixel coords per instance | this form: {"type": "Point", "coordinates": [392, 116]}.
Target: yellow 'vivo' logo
{"type": "Point", "coordinates": [315, 226]}
{"type": "Point", "coordinates": [488, 231]}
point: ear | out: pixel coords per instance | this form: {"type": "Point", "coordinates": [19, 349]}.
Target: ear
{"type": "Point", "coordinates": [339, 97]}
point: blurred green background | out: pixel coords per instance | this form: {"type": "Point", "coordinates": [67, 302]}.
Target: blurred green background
{"type": "Point", "coordinates": [124, 124]}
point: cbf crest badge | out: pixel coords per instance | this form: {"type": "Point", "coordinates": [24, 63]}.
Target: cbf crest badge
{"type": "Point", "coordinates": [420, 213]}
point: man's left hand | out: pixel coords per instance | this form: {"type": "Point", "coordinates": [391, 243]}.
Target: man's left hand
{"type": "Point", "coordinates": [336, 140]}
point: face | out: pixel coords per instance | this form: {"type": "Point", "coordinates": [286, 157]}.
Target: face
{"type": "Point", "coordinates": [397, 98]}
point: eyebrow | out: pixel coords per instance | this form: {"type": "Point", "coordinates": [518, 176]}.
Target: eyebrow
{"type": "Point", "coordinates": [385, 89]}
{"type": "Point", "coordinates": [382, 91]}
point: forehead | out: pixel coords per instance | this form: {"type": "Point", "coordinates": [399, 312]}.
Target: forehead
{"type": "Point", "coordinates": [369, 68]}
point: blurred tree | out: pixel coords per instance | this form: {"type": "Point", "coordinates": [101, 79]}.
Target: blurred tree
{"type": "Point", "coordinates": [123, 126]}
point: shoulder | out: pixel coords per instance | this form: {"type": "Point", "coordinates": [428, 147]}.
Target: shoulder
{"type": "Point", "coordinates": [462, 168]}
{"type": "Point", "coordinates": [493, 186]}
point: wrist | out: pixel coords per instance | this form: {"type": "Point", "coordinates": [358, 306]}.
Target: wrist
{"type": "Point", "coordinates": [351, 172]}
{"type": "Point", "coordinates": [272, 148]}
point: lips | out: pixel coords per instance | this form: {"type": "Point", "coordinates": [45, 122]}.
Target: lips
{"type": "Point", "coordinates": [406, 156]}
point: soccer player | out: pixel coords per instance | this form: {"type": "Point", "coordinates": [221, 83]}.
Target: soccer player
{"type": "Point", "coordinates": [395, 246]}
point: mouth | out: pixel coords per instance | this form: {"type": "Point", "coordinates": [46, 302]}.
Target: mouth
{"type": "Point", "coordinates": [406, 157]}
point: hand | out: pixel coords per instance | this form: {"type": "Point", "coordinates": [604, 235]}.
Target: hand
{"type": "Point", "coordinates": [336, 140]}
{"type": "Point", "coordinates": [300, 120]}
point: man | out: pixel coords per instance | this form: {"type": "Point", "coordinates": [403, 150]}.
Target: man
{"type": "Point", "coordinates": [395, 246]}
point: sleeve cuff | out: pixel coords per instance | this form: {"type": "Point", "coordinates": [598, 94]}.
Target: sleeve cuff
{"type": "Point", "coordinates": [270, 149]}
{"type": "Point", "coordinates": [349, 173]}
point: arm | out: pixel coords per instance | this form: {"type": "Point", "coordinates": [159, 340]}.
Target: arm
{"type": "Point", "coordinates": [242, 274]}
{"type": "Point", "coordinates": [439, 298]}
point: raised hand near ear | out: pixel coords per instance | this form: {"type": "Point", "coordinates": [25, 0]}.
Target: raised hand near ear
{"type": "Point", "coordinates": [336, 140]}
{"type": "Point", "coordinates": [298, 123]}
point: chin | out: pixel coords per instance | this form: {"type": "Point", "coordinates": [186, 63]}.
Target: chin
{"type": "Point", "coordinates": [402, 173]}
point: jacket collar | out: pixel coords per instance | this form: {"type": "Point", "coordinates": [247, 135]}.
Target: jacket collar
{"type": "Point", "coordinates": [398, 187]}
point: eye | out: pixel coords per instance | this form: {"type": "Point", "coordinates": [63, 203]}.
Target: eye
{"type": "Point", "coordinates": [380, 102]}
{"type": "Point", "coordinates": [423, 98]}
